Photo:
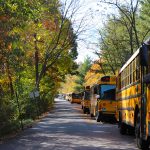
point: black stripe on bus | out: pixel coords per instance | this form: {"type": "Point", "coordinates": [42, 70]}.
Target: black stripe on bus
{"type": "Point", "coordinates": [128, 86]}
{"type": "Point", "coordinates": [128, 123]}
{"type": "Point", "coordinates": [129, 97]}
{"type": "Point", "coordinates": [105, 100]}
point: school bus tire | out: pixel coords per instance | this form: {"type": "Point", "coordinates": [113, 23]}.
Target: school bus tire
{"type": "Point", "coordinates": [141, 144]}
{"type": "Point", "coordinates": [123, 128]}
{"type": "Point", "coordinates": [91, 115]}
{"type": "Point", "coordinates": [88, 111]}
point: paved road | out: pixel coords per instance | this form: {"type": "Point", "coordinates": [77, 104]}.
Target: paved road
{"type": "Point", "coordinates": [67, 128]}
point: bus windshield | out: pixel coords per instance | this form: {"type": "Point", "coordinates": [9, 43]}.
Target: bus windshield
{"type": "Point", "coordinates": [107, 92]}
{"type": "Point", "coordinates": [74, 95]}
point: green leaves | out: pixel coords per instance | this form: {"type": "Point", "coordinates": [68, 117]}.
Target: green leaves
{"type": "Point", "coordinates": [144, 20]}
{"type": "Point", "coordinates": [122, 34]}
{"type": "Point", "coordinates": [83, 69]}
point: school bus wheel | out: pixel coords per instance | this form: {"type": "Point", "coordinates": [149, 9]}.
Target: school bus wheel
{"type": "Point", "coordinates": [88, 111]}
{"type": "Point", "coordinates": [91, 115]}
{"type": "Point", "coordinates": [122, 126]}
{"type": "Point", "coordinates": [141, 144]}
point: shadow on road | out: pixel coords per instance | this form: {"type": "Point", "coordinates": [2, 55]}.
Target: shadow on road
{"type": "Point", "coordinates": [66, 128]}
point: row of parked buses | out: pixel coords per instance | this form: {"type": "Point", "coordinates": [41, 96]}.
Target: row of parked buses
{"type": "Point", "coordinates": [125, 97]}
{"type": "Point", "coordinates": [99, 99]}
{"type": "Point", "coordinates": [74, 97]}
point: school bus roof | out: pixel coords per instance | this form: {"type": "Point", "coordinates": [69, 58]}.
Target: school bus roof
{"type": "Point", "coordinates": [107, 80]}
{"type": "Point", "coordinates": [130, 60]}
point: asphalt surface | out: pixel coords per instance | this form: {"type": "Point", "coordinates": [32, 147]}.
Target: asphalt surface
{"type": "Point", "coordinates": [67, 128]}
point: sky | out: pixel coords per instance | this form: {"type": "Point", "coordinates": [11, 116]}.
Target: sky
{"type": "Point", "coordinates": [88, 41]}
{"type": "Point", "coordinates": [95, 14]}
{"type": "Point", "coordinates": [92, 15]}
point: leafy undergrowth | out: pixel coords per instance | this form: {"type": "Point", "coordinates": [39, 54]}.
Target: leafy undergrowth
{"type": "Point", "coordinates": [14, 128]}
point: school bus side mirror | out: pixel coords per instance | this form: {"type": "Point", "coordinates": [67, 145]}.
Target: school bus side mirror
{"type": "Point", "coordinates": [144, 55]}
{"type": "Point", "coordinates": [97, 96]}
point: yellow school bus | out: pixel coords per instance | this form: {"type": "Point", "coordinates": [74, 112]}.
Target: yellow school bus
{"type": "Point", "coordinates": [85, 103]}
{"type": "Point", "coordinates": [103, 101]}
{"type": "Point", "coordinates": [76, 98]}
{"type": "Point", "coordinates": [106, 101]}
{"type": "Point", "coordinates": [133, 96]}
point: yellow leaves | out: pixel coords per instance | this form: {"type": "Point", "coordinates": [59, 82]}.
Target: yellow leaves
{"type": "Point", "coordinates": [93, 74]}
{"type": "Point", "coordinates": [38, 37]}
{"type": "Point", "coordinates": [5, 80]}
{"type": "Point", "coordinates": [14, 7]}
{"type": "Point", "coordinates": [91, 77]}
{"type": "Point", "coordinates": [39, 25]}
{"type": "Point", "coordinates": [69, 85]}
{"type": "Point", "coordinates": [30, 54]}
{"type": "Point", "coordinates": [95, 67]}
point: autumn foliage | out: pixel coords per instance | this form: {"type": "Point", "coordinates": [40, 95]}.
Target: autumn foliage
{"type": "Point", "coordinates": [37, 49]}
{"type": "Point", "coordinates": [93, 74]}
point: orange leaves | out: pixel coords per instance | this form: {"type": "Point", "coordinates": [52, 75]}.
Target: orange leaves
{"type": "Point", "coordinates": [49, 25]}
{"type": "Point", "coordinates": [9, 46]}
{"type": "Point", "coordinates": [95, 67]}
{"type": "Point", "coordinates": [4, 18]}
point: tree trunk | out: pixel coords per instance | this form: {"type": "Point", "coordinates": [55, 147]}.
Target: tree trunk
{"type": "Point", "coordinates": [36, 61]}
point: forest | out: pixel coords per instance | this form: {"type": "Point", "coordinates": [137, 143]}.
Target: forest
{"type": "Point", "coordinates": [38, 49]}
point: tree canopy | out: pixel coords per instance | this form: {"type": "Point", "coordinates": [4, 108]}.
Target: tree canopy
{"type": "Point", "coordinates": [123, 32]}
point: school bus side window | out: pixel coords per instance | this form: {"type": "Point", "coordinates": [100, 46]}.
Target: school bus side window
{"type": "Point", "coordinates": [125, 76]}
{"type": "Point", "coordinates": [134, 70]}
{"type": "Point", "coordinates": [119, 82]}
{"type": "Point", "coordinates": [121, 79]}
